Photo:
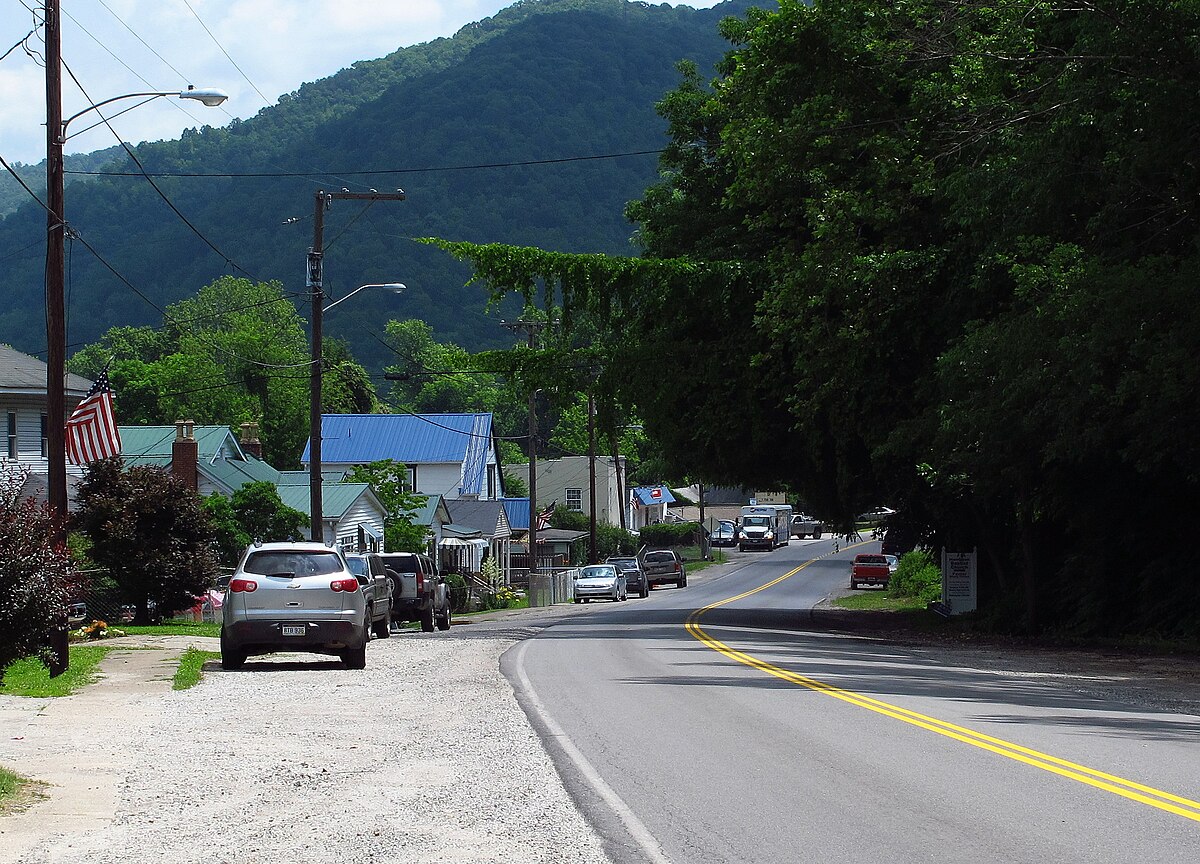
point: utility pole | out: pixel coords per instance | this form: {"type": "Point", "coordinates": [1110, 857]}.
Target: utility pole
{"type": "Point", "coordinates": [531, 329]}
{"type": "Point", "coordinates": [592, 556]}
{"type": "Point", "coordinates": [56, 327]}
{"type": "Point", "coordinates": [315, 283]}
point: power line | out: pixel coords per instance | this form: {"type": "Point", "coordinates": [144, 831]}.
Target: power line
{"type": "Point", "coordinates": [385, 171]}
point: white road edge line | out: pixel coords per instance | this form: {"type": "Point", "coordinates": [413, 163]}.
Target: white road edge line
{"type": "Point", "coordinates": [637, 829]}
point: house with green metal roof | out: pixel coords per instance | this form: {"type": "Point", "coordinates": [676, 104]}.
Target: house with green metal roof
{"type": "Point", "coordinates": [214, 461]}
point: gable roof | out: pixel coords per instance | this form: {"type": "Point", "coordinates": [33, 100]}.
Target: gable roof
{"type": "Point", "coordinates": [149, 441]}
{"type": "Point", "coordinates": [411, 438]}
{"type": "Point", "coordinates": [648, 496]}
{"type": "Point", "coordinates": [20, 373]}
{"type": "Point", "coordinates": [336, 498]}
{"type": "Point", "coordinates": [487, 516]}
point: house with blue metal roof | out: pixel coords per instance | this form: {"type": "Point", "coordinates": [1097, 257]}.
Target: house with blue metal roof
{"type": "Point", "coordinates": [451, 455]}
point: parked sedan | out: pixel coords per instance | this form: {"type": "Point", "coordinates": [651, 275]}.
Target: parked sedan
{"type": "Point", "coordinates": [635, 577]}
{"type": "Point", "coordinates": [600, 582]}
{"type": "Point", "coordinates": [725, 534]}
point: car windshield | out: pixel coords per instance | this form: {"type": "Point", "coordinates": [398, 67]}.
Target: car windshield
{"type": "Point", "coordinates": [293, 562]}
{"type": "Point", "coordinates": [757, 521]}
{"type": "Point", "coordinates": [597, 573]}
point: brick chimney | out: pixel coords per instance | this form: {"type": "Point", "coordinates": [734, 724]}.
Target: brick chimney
{"type": "Point", "coordinates": [250, 442]}
{"type": "Point", "coordinates": [185, 454]}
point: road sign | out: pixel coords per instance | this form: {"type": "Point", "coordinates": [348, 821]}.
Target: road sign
{"type": "Point", "coordinates": [959, 581]}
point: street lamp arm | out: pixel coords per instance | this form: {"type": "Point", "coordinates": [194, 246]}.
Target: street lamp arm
{"type": "Point", "coordinates": [209, 96]}
{"type": "Point", "coordinates": [394, 287]}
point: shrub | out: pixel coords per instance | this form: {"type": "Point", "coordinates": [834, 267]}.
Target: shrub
{"type": "Point", "coordinates": [458, 592]}
{"type": "Point", "coordinates": [917, 576]}
{"type": "Point", "coordinates": [668, 534]}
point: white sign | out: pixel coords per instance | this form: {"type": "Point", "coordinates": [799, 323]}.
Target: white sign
{"type": "Point", "coordinates": [959, 581]}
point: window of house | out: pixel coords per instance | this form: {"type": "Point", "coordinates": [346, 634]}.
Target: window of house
{"type": "Point", "coordinates": [491, 482]}
{"type": "Point", "coordinates": [12, 434]}
{"type": "Point", "coordinates": [574, 499]}
{"type": "Point", "coordinates": [45, 440]}
{"type": "Point", "coordinates": [412, 478]}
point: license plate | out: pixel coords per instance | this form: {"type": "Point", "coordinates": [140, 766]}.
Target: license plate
{"type": "Point", "coordinates": [292, 630]}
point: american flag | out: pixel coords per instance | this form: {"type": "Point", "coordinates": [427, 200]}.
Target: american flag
{"type": "Point", "coordinates": [543, 518]}
{"type": "Point", "coordinates": [92, 429]}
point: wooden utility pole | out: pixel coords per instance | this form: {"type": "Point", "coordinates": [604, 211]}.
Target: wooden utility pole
{"type": "Point", "coordinates": [315, 284]}
{"type": "Point", "coordinates": [591, 425]}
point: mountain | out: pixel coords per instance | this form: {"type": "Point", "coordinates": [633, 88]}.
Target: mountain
{"type": "Point", "coordinates": [491, 134]}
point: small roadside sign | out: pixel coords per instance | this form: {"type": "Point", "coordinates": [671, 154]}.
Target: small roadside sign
{"type": "Point", "coordinates": [959, 581]}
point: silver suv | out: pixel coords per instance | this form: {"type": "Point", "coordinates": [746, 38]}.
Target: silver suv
{"type": "Point", "coordinates": [294, 597]}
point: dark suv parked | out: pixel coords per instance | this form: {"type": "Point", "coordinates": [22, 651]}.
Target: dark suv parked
{"type": "Point", "coordinates": [419, 593]}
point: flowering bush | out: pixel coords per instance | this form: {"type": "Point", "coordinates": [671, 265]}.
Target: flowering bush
{"type": "Point", "coordinates": [98, 630]}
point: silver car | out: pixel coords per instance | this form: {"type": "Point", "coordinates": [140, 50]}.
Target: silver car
{"type": "Point", "coordinates": [294, 597]}
{"type": "Point", "coordinates": [601, 582]}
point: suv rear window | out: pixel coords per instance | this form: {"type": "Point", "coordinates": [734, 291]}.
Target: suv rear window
{"type": "Point", "coordinates": [295, 563]}
{"type": "Point", "coordinates": [659, 557]}
{"type": "Point", "coordinates": [402, 563]}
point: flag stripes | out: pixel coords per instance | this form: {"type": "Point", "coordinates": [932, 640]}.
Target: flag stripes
{"type": "Point", "coordinates": [91, 432]}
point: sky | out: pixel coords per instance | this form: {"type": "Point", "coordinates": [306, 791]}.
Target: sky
{"type": "Point", "coordinates": [254, 50]}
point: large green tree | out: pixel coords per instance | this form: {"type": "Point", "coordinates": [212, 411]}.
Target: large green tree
{"type": "Point", "coordinates": [941, 251]}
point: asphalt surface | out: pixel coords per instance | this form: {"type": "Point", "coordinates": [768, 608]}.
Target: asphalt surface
{"type": "Point", "coordinates": [693, 732]}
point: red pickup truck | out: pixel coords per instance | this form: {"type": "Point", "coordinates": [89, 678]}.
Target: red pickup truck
{"type": "Point", "coordinates": [869, 569]}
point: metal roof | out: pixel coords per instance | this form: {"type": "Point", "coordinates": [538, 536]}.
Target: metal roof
{"type": "Point", "coordinates": [517, 510]}
{"type": "Point", "coordinates": [488, 516]}
{"type": "Point", "coordinates": [336, 500]}
{"type": "Point", "coordinates": [646, 495]}
{"type": "Point", "coordinates": [158, 440]}
{"type": "Point", "coordinates": [359, 439]}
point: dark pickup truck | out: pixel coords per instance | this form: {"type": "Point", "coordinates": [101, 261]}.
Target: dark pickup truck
{"type": "Point", "coordinates": [869, 569]}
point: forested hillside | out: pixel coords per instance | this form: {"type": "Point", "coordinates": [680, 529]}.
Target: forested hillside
{"type": "Point", "coordinates": [546, 83]}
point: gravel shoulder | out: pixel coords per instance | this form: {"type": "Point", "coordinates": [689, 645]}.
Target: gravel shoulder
{"type": "Point", "coordinates": [424, 756]}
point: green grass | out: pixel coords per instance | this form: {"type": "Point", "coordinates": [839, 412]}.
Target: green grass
{"type": "Point", "coordinates": [9, 783]}
{"type": "Point", "coordinates": [174, 628]}
{"type": "Point", "coordinates": [695, 564]}
{"type": "Point", "coordinates": [191, 667]}
{"type": "Point", "coordinates": [17, 792]}
{"type": "Point", "coordinates": [879, 601]}
{"type": "Point", "coordinates": [30, 677]}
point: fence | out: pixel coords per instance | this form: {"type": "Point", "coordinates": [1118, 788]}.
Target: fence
{"type": "Point", "coordinates": [549, 589]}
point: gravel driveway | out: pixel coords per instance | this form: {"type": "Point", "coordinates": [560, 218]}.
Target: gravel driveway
{"type": "Point", "coordinates": [425, 756]}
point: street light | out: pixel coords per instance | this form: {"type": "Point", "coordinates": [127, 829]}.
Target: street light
{"type": "Point", "coordinates": [316, 505]}
{"type": "Point", "coordinates": [56, 337]}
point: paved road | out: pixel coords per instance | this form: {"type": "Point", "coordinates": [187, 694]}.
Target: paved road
{"type": "Point", "coordinates": [692, 733]}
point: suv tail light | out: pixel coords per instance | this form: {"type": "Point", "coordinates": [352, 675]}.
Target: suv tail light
{"type": "Point", "coordinates": [237, 586]}
{"type": "Point", "coordinates": [420, 582]}
{"type": "Point", "coordinates": [344, 584]}
{"type": "Point", "coordinates": [676, 566]}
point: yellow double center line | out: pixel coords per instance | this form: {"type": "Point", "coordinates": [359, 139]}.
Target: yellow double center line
{"type": "Point", "coordinates": [1176, 804]}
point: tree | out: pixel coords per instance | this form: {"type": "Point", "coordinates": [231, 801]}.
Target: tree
{"type": "Point", "coordinates": [33, 573]}
{"type": "Point", "coordinates": [151, 533]}
{"type": "Point", "coordinates": [237, 351]}
{"type": "Point", "coordinates": [254, 512]}
{"type": "Point", "coordinates": [389, 481]}
{"type": "Point", "coordinates": [937, 254]}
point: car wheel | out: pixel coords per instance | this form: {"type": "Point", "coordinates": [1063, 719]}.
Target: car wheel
{"type": "Point", "coordinates": [578, 600]}
{"type": "Point", "coordinates": [443, 621]}
{"type": "Point", "coordinates": [355, 658]}
{"type": "Point", "coordinates": [853, 585]}
{"type": "Point", "coordinates": [380, 628]}
{"type": "Point", "coordinates": [645, 590]}
{"type": "Point", "coordinates": [427, 619]}
{"type": "Point", "coordinates": [231, 658]}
